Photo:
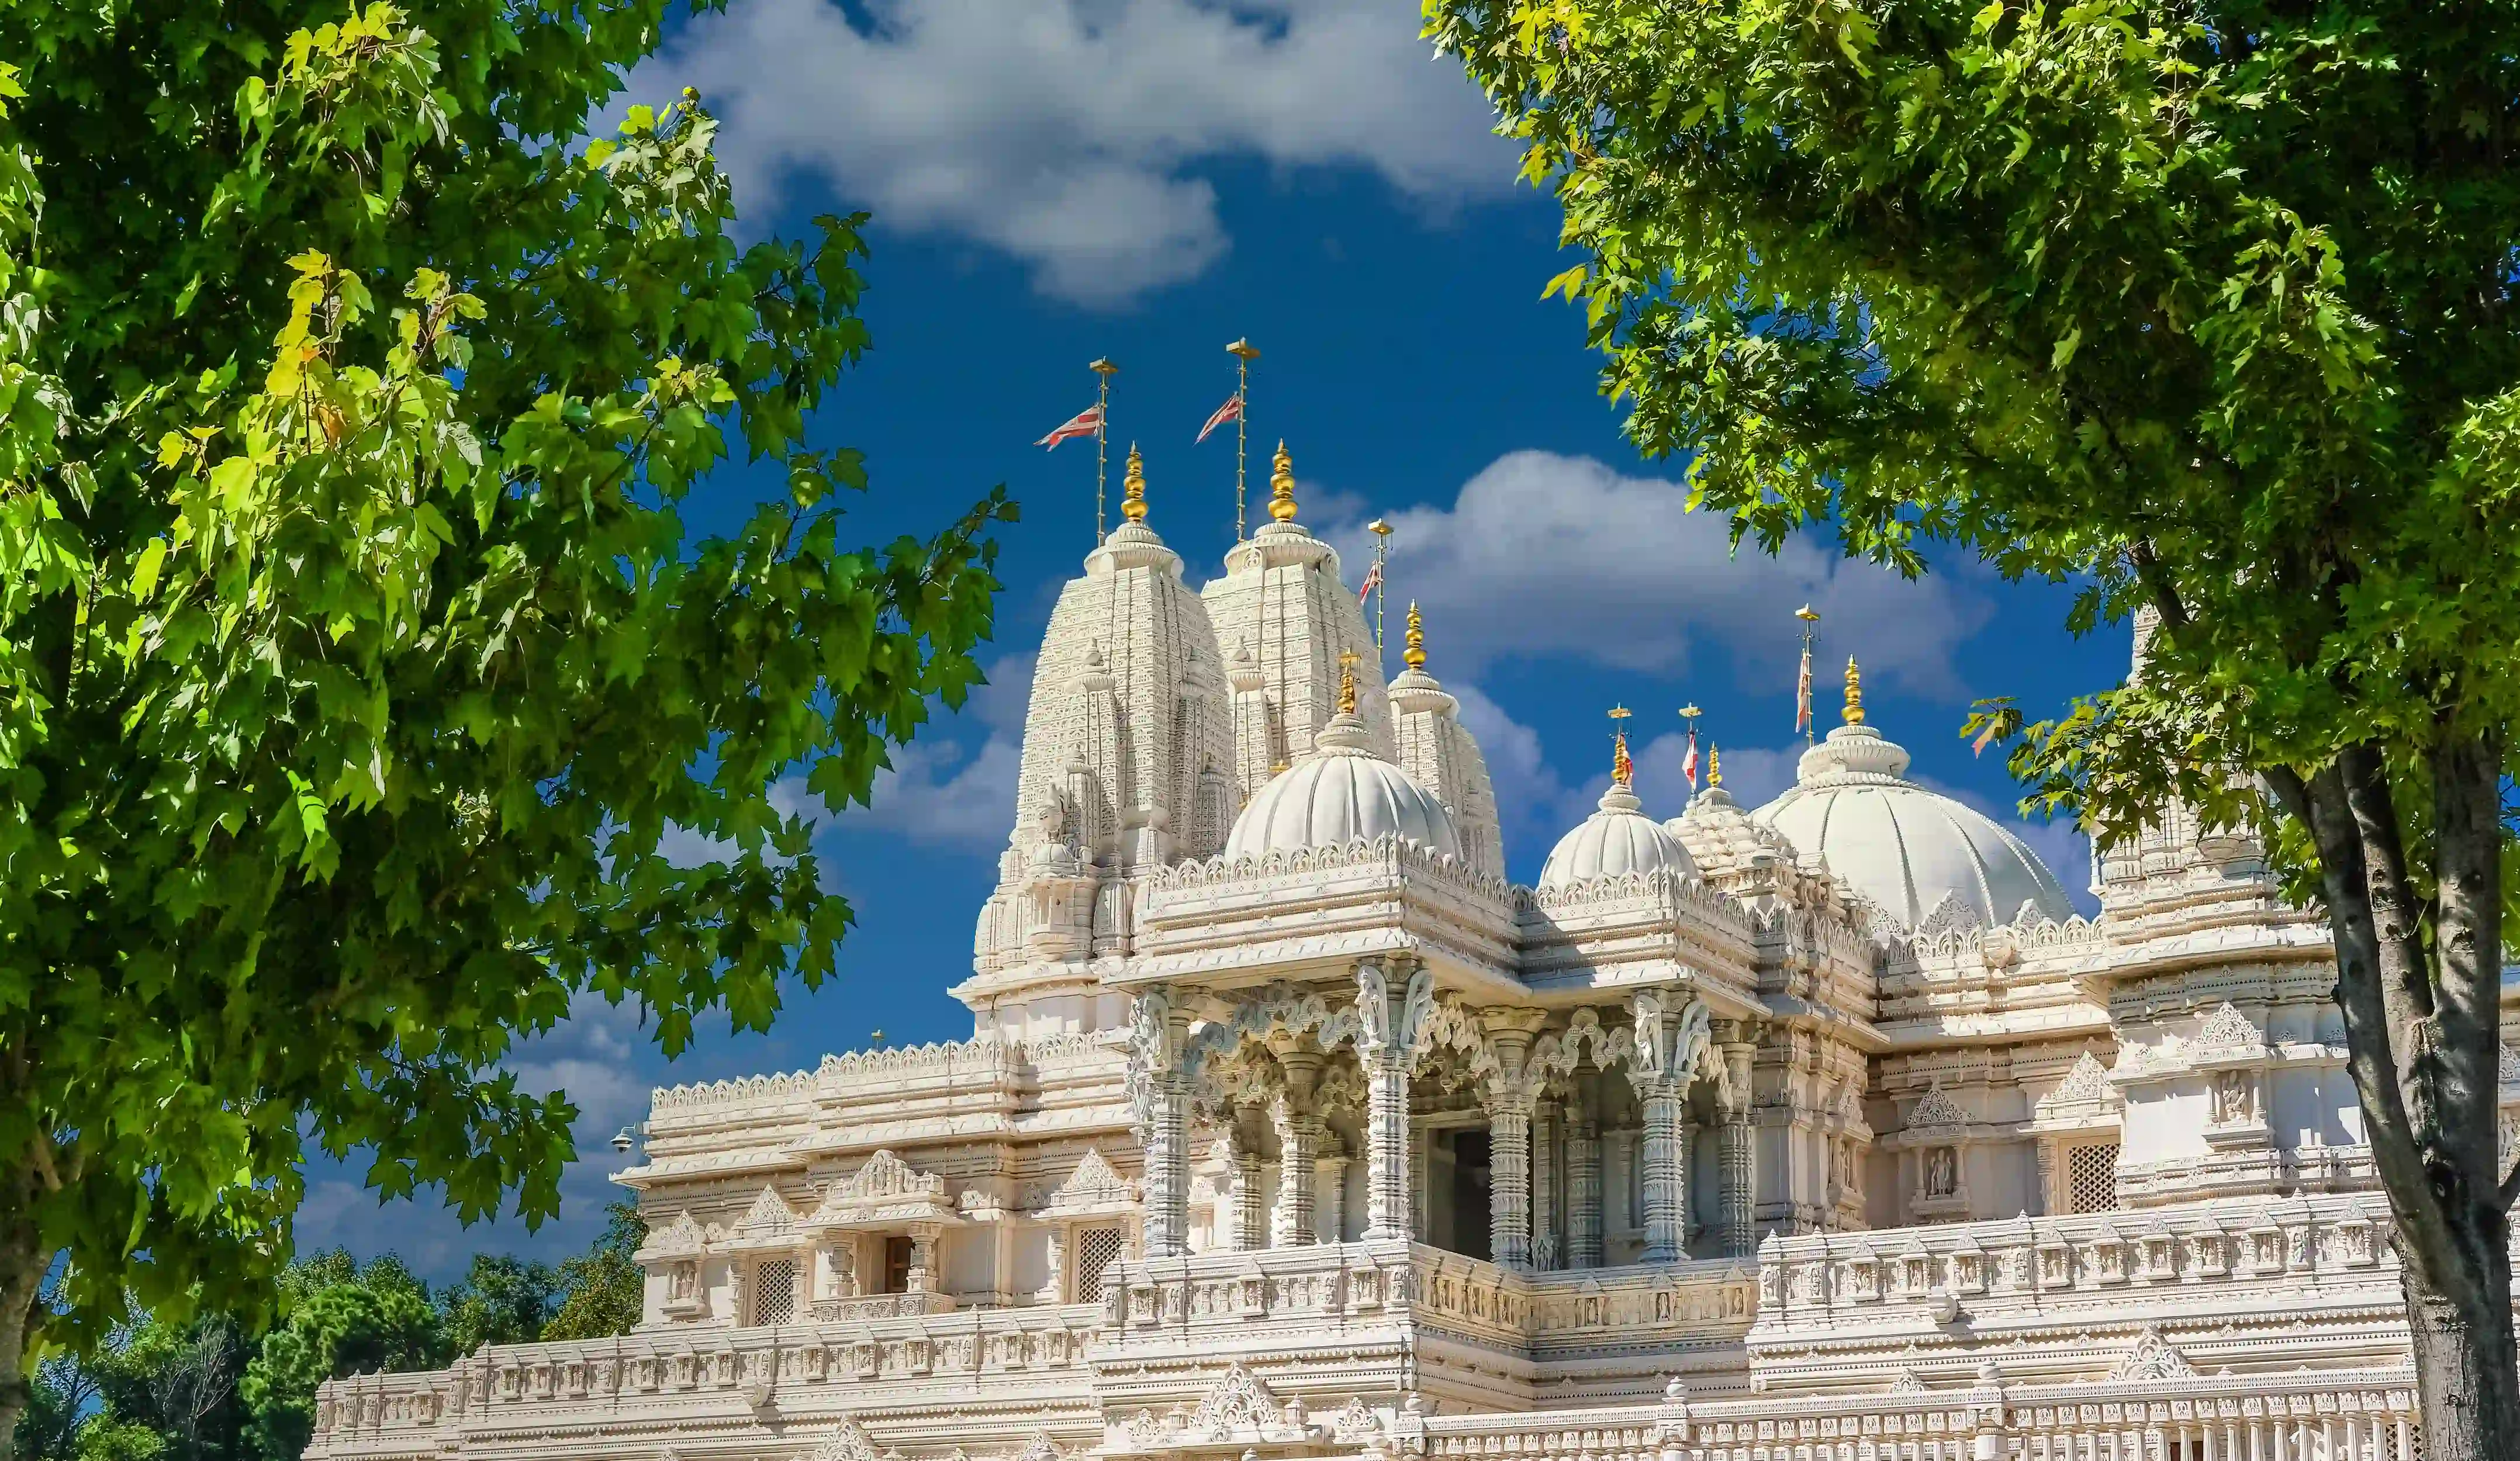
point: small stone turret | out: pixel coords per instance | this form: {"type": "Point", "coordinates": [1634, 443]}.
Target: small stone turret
{"type": "Point", "coordinates": [1438, 754]}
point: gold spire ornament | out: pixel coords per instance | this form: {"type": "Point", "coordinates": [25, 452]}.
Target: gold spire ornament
{"type": "Point", "coordinates": [1854, 713]}
{"type": "Point", "coordinates": [1282, 485]}
{"type": "Point", "coordinates": [1414, 656]}
{"type": "Point", "coordinates": [1623, 771]}
{"type": "Point", "coordinates": [1133, 487]}
{"type": "Point", "coordinates": [1714, 764]}
{"type": "Point", "coordinates": [1347, 681]}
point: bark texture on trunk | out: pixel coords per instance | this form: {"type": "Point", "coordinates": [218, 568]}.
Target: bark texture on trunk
{"type": "Point", "coordinates": [2465, 1367]}
{"type": "Point", "coordinates": [22, 1278]}
{"type": "Point", "coordinates": [2418, 983]}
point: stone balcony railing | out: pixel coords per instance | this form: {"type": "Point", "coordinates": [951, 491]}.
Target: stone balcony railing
{"type": "Point", "coordinates": [1034, 1356]}
{"type": "Point", "coordinates": [2331, 1415]}
{"type": "Point", "coordinates": [1342, 1284]}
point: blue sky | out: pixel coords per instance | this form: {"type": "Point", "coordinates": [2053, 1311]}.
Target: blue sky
{"type": "Point", "coordinates": [1147, 180]}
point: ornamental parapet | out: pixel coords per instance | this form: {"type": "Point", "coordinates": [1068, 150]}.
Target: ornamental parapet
{"type": "Point", "coordinates": [1337, 1285]}
{"type": "Point", "coordinates": [1001, 1372]}
{"type": "Point", "coordinates": [1832, 1305]}
{"type": "Point", "coordinates": [2367, 1414]}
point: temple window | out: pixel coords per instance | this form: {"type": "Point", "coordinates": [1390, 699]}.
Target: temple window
{"type": "Point", "coordinates": [897, 1252]}
{"type": "Point", "coordinates": [773, 1291]}
{"type": "Point", "coordinates": [1096, 1248]}
{"type": "Point", "coordinates": [2091, 1178]}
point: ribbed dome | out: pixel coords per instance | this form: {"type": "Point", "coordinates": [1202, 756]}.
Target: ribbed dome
{"type": "Point", "coordinates": [1616, 840]}
{"type": "Point", "coordinates": [1909, 849]}
{"type": "Point", "coordinates": [1339, 794]}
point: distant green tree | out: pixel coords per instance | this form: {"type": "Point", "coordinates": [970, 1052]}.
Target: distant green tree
{"type": "Point", "coordinates": [341, 1320]}
{"type": "Point", "coordinates": [604, 1289]}
{"type": "Point", "coordinates": [501, 1301]}
{"type": "Point", "coordinates": [63, 1387]}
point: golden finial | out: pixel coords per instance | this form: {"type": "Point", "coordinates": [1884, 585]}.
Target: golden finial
{"type": "Point", "coordinates": [1854, 692]}
{"type": "Point", "coordinates": [1714, 764]}
{"type": "Point", "coordinates": [1347, 681]}
{"type": "Point", "coordinates": [1414, 656]}
{"type": "Point", "coordinates": [1133, 488]}
{"type": "Point", "coordinates": [1282, 485]}
{"type": "Point", "coordinates": [1623, 771]}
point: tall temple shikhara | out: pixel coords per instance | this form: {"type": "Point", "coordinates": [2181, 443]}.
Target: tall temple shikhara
{"type": "Point", "coordinates": [1291, 1127]}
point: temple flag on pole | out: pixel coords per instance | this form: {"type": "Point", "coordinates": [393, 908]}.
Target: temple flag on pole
{"type": "Point", "coordinates": [1086, 422]}
{"type": "Point", "coordinates": [1689, 763]}
{"type": "Point", "coordinates": [1801, 693]}
{"type": "Point", "coordinates": [1231, 411]}
{"type": "Point", "coordinates": [1373, 581]}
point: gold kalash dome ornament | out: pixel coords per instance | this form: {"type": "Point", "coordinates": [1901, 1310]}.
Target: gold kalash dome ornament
{"type": "Point", "coordinates": [1133, 488]}
{"type": "Point", "coordinates": [1282, 485]}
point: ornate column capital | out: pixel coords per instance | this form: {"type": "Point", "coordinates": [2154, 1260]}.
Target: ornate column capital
{"type": "Point", "coordinates": [1672, 1038]}
{"type": "Point", "coordinates": [1395, 999]}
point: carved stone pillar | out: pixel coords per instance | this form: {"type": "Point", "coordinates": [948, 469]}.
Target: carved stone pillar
{"type": "Point", "coordinates": [2050, 1192]}
{"type": "Point", "coordinates": [1250, 1214]}
{"type": "Point", "coordinates": [1509, 1181]}
{"type": "Point", "coordinates": [1329, 1191]}
{"type": "Point", "coordinates": [1583, 1190]}
{"type": "Point", "coordinates": [1665, 1160]}
{"type": "Point", "coordinates": [922, 1278]}
{"type": "Point", "coordinates": [1162, 1028]}
{"type": "Point", "coordinates": [1508, 1104]}
{"type": "Point", "coordinates": [1299, 1139]}
{"type": "Point", "coordinates": [1393, 1000]}
{"type": "Point", "coordinates": [1733, 1151]}
{"type": "Point", "coordinates": [1670, 1040]}
{"type": "Point", "coordinates": [1544, 1185]}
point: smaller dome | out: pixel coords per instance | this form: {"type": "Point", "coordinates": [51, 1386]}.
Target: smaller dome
{"type": "Point", "coordinates": [1721, 835]}
{"type": "Point", "coordinates": [1341, 792]}
{"type": "Point", "coordinates": [1612, 842]}
{"type": "Point", "coordinates": [1929, 861]}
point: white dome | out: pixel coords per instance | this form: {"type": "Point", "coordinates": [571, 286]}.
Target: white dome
{"type": "Point", "coordinates": [1910, 851]}
{"type": "Point", "coordinates": [1616, 840]}
{"type": "Point", "coordinates": [1340, 793]}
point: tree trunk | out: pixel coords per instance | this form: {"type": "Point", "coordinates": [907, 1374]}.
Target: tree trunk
{"type": "Point", "coordinates": [22, 1278]}
{"type": "Point", "coordinates": [2467, 1375]}
{"type": "Point", "coordinates": [2421, 1032]}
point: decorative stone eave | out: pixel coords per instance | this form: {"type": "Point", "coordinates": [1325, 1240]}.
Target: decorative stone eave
{"type": "Point", "coordinates": [2151, 957]}
{"type": "Point", "coordinates": [1993, 1028]}
{"type": "Point", "coordinates": [761, 1161]}
{"type": "Point", "coordinates": [1326, 954]}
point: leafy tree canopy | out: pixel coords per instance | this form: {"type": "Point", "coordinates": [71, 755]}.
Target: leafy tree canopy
{"type": "Point", "coordinates": [2205, 308]}
{"type": "Point", "coordinates": [355, 657]}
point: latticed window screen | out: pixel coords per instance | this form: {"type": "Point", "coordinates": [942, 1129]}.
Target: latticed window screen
{"type": "Point", "coordinates": [2091, 1178]}
{"type": "Point", "coordinates": [773, 1291]}
{"type": "Point", "coordinates": [1096, 1248]}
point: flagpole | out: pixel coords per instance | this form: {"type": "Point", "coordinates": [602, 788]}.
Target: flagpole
{"type": "Point", "coordinates": [1243, 355]}
{"type": "Point", "coordinates": [1691, 712]}
{"type": "Point", "coordinates": [1802, 691]}
{"type": "Point", "coordinates": [1381, 532]}
{"type": "Point", "coordinates": [1101, 430]}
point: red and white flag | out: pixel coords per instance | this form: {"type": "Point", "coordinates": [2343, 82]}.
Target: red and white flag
{"type": "Point", "coordinates": [1802, 693]}
{"type": "Point", "coordinates": [1373, 581]}
{"type": "Point", "coordinates": [1086, 422]}
{"type": "Point", "coordinates": [1689, 763]}
{"type": "Point", "coordinates": [1231, 411]}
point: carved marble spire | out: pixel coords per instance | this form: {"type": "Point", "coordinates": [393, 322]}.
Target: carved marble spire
{"type": "Point", "coordinates": [1437, 752]}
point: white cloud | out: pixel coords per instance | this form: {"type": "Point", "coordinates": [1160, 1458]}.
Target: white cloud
{"type": "Point", "coordinates": [1068, 134]}
{"type": "Point", "coordinates": [1549, 558]}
